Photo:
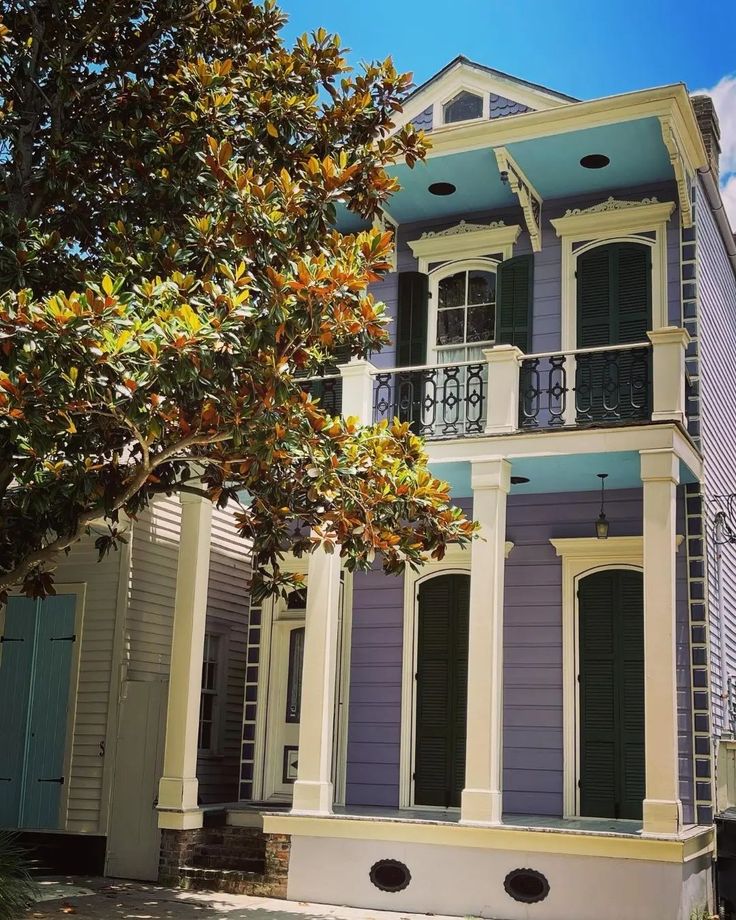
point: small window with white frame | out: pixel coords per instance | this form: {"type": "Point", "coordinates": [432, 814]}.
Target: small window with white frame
{"type": "Point", "coordinates": [465, 106]}
{"type": "Point", "coordinates": [209, 706]}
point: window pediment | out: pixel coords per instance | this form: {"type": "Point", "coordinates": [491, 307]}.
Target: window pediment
{"type": "Point", "coordinates": [464, 241]}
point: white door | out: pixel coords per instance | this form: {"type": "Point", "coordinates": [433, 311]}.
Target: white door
{"type": "Point", "coordinates": [284, 702]}
{"type": "Point", "coordinates": [134, 838]}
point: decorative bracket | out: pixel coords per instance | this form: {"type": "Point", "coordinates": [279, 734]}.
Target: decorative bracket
{"type": "Point", "coordinates": [683, 176]}
{"type": "Point", "coordinates": [383, 221]}
{"type": "Point", "coordinates": [529, 199]}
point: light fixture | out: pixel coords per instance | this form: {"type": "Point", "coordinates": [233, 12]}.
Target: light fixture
{"type": "Point", "coordinates": [595, 161]}
{"type": "Point", "coordinates": [601, 525]}
{"type": "Point", "coordinates": [442, 188]}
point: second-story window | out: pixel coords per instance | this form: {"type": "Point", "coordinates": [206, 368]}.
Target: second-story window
{"type": "Point", "coordinates": [466, 308]}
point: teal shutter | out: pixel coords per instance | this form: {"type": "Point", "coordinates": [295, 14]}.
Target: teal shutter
{"type": "Point", "coordinates": [441, 682]}
{"type": "Point", "coordinates": [34, 686]}
{"type": "Point", "coordinates": [611, 624]}
{"type": "Point", "coordinates": [614, 307]}
{"type": "Point", "coordinates": [16, 665]}
{"type": "Point", "coordinates": [514, 298]}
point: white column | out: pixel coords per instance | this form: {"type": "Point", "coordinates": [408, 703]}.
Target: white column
{"type": "Point", "coordinates": [668, 361]}
{"type": "Point", "coordinates": [357, 390]}
{"type": "Point", "coordinates": [502, 415]}
{"type": "Point", "coordinates": [178, 787]}
{"type": "Point", "coordinates": [313, 792]}
{"type": "Point", "coordinates": [662, 807]}
{"type": "Point", "coordinates": [482, 795]}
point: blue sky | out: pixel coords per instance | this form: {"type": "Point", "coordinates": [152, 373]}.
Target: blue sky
{"type": "Point", "coordinates": [581, 48]}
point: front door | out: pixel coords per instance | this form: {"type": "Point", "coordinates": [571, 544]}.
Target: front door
{"type": "Point", "coordinates": [611, 617]}
{"type": "Point", "coordinates": [36, 651]}
{"type": "Point", "coordinates": [285, 706]}
{"type": "Point", "coordinates": [441, 691]}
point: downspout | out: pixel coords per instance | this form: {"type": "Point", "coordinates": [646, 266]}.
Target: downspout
{"type": "Point", "coordinates": [715, 201]}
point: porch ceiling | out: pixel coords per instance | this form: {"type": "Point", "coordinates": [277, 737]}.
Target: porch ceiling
{"type": "Point", "coordinates": [572, 473]}
{"type": "Point", "coordinates": [636, 151]}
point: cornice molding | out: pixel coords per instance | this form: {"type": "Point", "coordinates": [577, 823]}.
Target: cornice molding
{"type": "Point", "coordinates": [464, 241]}
{"type": "Point", "coordinates": [612, 216]}
{"type": "Point", "coordinates": [683, 176]}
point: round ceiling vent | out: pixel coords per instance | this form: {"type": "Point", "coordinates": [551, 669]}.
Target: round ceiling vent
{"type": "Point", "coordinates": [595, 161]}
{"type": "Point", "coordinates": [442, 188]}
{"type": "Point", "coordinates": [390, 875]}
{"type": "Point", "coordinates": [526, 885]}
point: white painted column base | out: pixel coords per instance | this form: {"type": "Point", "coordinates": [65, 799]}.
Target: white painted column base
{"type": "Point", "coordinates": [481, 806]}
{"type": "Point", "coordinates": [312, 797]}
{"type": "Point", "coordinates": [661, 818]}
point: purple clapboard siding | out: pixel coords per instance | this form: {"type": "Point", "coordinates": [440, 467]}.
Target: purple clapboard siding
{"type": "Point", "coordinates": [717, 343]}
{"type": "Point", "coordinates": [533, 739]}
{"type": "Point", "coordinates": [546, 324]}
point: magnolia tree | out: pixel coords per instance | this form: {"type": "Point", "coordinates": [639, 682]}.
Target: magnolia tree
{"type": "Point", "coordinates": [169, 175]}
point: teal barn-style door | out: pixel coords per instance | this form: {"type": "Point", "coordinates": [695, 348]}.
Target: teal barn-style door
{"type": "Point", "coordinates": [36, 651]}
{"type": "Point", "coordinates": [611, 627]}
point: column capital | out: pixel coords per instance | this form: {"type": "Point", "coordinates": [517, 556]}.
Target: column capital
{"type": "Point", "coordinates": [669, 335]}
{"type": "Point", "coordinates": [502, 353]}
{"type": "Point", "coordinates": [357, 367]}
{"type": "Point", "coordinates": [660, 464]}
{"type": "Point", "coordinates": [491, 473]}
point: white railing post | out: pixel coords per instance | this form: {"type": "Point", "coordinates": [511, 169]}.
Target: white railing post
{"type": "Point", "coordinates": [357, 390]}
{"type": "Point", "coordinates": [502, 415]}
{"type": "Point", "coordinates": [668, 374]}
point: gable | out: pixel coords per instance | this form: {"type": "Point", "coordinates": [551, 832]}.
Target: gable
{"type": "Point", "coordinates": [499, 95]}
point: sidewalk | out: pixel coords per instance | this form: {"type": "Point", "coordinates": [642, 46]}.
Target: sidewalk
{"type": "Point", "coordinates": [108, 899]}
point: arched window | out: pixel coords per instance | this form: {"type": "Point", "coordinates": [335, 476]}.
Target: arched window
{"type": "Point", "coordinates": [464, 320]}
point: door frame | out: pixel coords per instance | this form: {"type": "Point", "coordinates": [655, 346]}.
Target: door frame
{"type": "Point", "coordinates": [583, 556]}
{"type": "Point", "coordinates": [79, 589]}
{"type": "Point", "coordinates": [455, 562]}
{"type": "Point", "coordinates": [273, 612]}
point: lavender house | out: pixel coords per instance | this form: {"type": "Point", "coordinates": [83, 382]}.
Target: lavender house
{"type": "Point", "coordinates": [531, 727]}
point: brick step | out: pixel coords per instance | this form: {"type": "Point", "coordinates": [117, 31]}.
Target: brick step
{"type": "Point", "coordinates": [231, 881]}
{"type": "Point", "coordinates": [241, 863]}
{"type": "Point", "coordinates": [255, 851]}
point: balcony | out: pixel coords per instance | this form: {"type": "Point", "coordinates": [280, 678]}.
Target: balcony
{"type": "Point", "coordinates": [509, 391]}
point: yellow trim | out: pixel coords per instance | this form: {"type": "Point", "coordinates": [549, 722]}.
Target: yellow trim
{"type": "Point", "coordinates": [520, 839]}
{"type": "Point", "coordinates": [670, 101]}
{"type": "Point", "coordinates": [444, 246]}
{"type": "Point", "coordinates": [599, 221]}
{"type": "Point", "coordinates": [526, 194]}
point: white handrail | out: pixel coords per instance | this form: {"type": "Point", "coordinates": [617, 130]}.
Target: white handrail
{"type": "Point", "coordinates": [598, 349]}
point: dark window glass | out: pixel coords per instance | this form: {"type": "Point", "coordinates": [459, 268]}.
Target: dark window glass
{"type": "Point", "coordinates": [450, 325]}
{"type": "Point", "coordinates": [465, 105]}
{"type": "Point", "coordinates": [294, 683]}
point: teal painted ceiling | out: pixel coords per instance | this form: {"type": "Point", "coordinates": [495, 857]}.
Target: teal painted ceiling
{"type": "Point", "coordinates": [552, 164]}
{"type": "Point", "coordinates": [575, 473]}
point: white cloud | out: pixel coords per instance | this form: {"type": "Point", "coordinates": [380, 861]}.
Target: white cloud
{"type": "Point", "coordinates": [724, 99]}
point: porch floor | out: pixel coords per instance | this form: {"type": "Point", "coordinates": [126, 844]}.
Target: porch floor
{"type": "Point", "coordinates": [618, 827]}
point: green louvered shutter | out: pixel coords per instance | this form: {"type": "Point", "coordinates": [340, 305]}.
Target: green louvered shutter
{"type": "Point", "coordinates": [411, 323]}
{"type": "Point", "coordinates": [614, 307]}
{"type": "Point", "coordinates": [411, 343]}
{"type": "Point", "coordinates": [514, 294]}
{"type": "Point", "coordinates": [611, 695]}
{"type": "Point", "coordinates": [441, 683]}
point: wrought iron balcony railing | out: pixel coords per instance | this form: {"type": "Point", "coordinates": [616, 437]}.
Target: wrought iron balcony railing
{"type": "Point", "coordinates": [592, 385]}
{"type": "Point", "coordinates": [327, 388]}
{"type": "Point", "coordinates": [442, 401]}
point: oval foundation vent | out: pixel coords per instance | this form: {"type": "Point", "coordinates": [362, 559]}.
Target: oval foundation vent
{"type": "Point", "coordinates": [526, 885]}
{"type": "Point", "coordinates": [390, 875]}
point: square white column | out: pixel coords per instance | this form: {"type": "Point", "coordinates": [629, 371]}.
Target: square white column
{"type": "Point", "coordinates": [482, 796]}
{"type": "Point", "coordinates": [178, 787]}
{"type": "Point", "coordinates": [662, 807]}
{"type": "Point", "coordinates": [313, 793]}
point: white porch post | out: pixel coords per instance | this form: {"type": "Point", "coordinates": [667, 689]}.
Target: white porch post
{"type": "Point", "coordinates": [482, 796]}
{"type": "Point", "coordinates": [357, 390]}
{"type": "Point", "coordinates": [669, 345]}
{"type": "Point", "coordinates": [177, 795]}
{"type": "Point", "coordinates": [502, 415]}
{"type": "Point", "coordinates": [313, 792]}
{"type": "Point", "coordinates": [662, 807]}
